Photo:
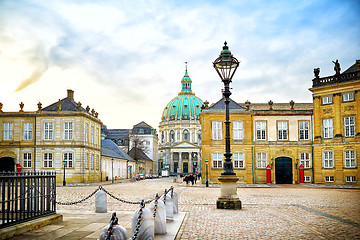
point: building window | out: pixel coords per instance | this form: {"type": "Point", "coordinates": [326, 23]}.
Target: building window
{"type": "Point", "coordinates": [48, 130]}
{"type": "Point", "coordinates": [261, 130]}
{"type": "Point", "coordinates": [350, 179]}
{"type": "Point", "coordinates": [238, 160]}
{"type": "Point", "coordinates": [304, 130]}
{"type": "Point", "coordinates": [217, 160]}
{"type": "Point", "coordinates": [87, 161]}
{"type": "Point", "coordinates": [68, 131]}
{"type": "Point", "coordinates": [328, 159]}
{"type": "Point", "coordinates": [216, 130]}
{"type": "Point", "coordinates": [68, 157]}
{"type": "Point", "coordinates": [162, 137]}
{"type": "Point", "coordinates": [328, 127]}
{"type": "Point", "coordinates": [27, 160]}
{"type": "Point", "coordinates": [349, 126]}
{"type": "Point", "coordinates": [261, 159]}
{"type": "Point", "coordinates": [238, 130]}
{"type": "Point", "coordinates": [307, 178]}
{"type": "Point", "coordinates": [186, 135]}
{"type": "Point", "coordinates": [97, 162]}
{"type": "Point", "coordinates": [349, 158]}
{"type": "Point", "coordinates": [92, 134]}
{"type": "Point", "coordinates": [92, 162]}
{"type": "Point", "coordinates": [282, 130]}
{"type": "Point", "coordinates": [329, 178]}
{"type": "Point", "coordinates": [172, 136]}
{"type": "Point", "coordinates": [199, 136]}
{"type": "Point", "coordinates": [8, 131]}
{"type": "Point", "coordinates": [87, 132]}
{"type": "Point", "coordinates": [327, 100]}
{"type": "Point", "coordinates": [305, 159]}
{"type": "Point", "coordinates": [48, 160]}
{"type": "Point", "coordinates": [27, 131]}
{"type": "Point", "coordinates": [347, 97]}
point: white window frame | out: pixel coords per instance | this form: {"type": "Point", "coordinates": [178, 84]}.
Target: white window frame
{"type": "Point", "coordinates": [92, 134]}
{"type": "Point", "coordinates": [27, 132]}
{"type": "Point", "coordinates": [48, 160]}
{"type": "Point", "coordinates": [349, 158]}
{"type": "Point", "coordinates": [48, 130]}
{"type": "Point", "coordinates": [216, 130]}
{"type": "Point", "coordinates": [186, 135]}
{"type": "Point", "coordinates": [217, 160]}
{"type": "Point", "coordinates": [327, 100]}
{"type": "Point", "coordinates": [87, 132]}
{"type": "Point", "coordinates": [239, 160]}
{"type": "Point", "coordinates": [238, 130]}
{"type": "Point", "coordinates": [348, 97]}
{"type": "Point", "coordinates": [304, 130]}
{"type": "Point", "coordinates": [305, 159]}
{"type": "Point", "coordinates": [350, 179]}
{"type": "Point", "coordinates": [8, 131]}
{"type": "Point", "coordinates": [349, 126]}
{"type": "Point", "coordinates": [97, 162]}
{"type": "Point", "coordinates": [329, 178]}
{"type": "Point", "coordinates": [307, 178]}
{"type": "Point", "coordinates": [260, 130]}
{"type": "Point", "coordinates": [68, 130]}
{"type": "Point", "coordinates": [261, 159]}
{"type": "Point", "coordinates": [69, 159]}
{"type": "Point", "coordinates": [27, 158]}
{"type": "Point", "coordinates": [328, 127]}
{"type": "Point", "coordinates": [172, 136]}
{"type": "Point", "coordinates": [328, 159]}
{"type": "Point", "coordinates": [283, 130]}
{"type": "Point", "coordinates": [87, 161]}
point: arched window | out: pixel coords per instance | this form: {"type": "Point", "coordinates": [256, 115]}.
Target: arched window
{"type": "Point", "coordinates": [172, 136]}
{"type": "Point", "coordinates": [199, 136]}
{"type": "Point", "coordinates": [186, 135]}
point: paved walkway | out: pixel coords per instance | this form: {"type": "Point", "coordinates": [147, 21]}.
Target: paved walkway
{"type": "Point", "coordinates": [269, 212]}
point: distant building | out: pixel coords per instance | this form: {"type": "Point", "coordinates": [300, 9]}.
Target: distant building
{"type": "Point", "coordinates": [61, 134]}
{"type": "Point", "coordinates": [274, 134]}
{"type": "Point", "coordinates": [180, 132]}
{"type": "Point", "coordinates": [144, 164]}
{"type": "Point", "coordinates": [115, 161]}
{"type": "Point", "coordinates": [336, 103]}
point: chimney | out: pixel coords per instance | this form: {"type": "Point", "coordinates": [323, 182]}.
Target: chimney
{"type": "Point", "coordinates": [70, 94]}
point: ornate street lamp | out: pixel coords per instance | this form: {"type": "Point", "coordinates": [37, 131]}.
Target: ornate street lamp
{"type": "Point", "coordinates": [206, 169]}
{"type": "Point", "coordinates": [226, 65]}
{"type": "Point", "coordinates": [112, 170]}
{"type": "Point", "coordinates": [64, 181]}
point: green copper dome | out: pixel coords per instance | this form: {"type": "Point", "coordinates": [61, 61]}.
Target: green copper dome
{"type": "Point", "coordinates": [186, 106]}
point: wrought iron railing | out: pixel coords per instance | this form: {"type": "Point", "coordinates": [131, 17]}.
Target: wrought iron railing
{"type": "Point", "coordinates": [26, 196]}
{"type": "Point", "coordinates": [344, 77]}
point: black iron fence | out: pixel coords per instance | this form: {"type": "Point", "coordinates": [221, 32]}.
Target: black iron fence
{"type": "Point", "coordinates": [26, 196]}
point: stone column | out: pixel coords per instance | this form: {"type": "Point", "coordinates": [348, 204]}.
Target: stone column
{"type": "Point", "coordinates": [337, 115]}
{"type": "Point", "coordinates": [190, 163]}
{"type": "Point", "coordinates": [180, 163]}
{"type": "Point", "coordinates": [171, 161]}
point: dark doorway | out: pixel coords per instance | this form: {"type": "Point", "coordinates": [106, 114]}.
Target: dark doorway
{"type": "Point", "coordinates": [283, 170]}
{"type": "Point", "coordinates": [176, 165]}
{"type": "Point", "coordinates": [7, 164]}
{"type": "Point", "coordinates": [185, 167]}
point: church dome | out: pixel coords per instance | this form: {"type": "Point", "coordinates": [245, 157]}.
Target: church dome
{"type": "Point", "coordinates": [186, 106]}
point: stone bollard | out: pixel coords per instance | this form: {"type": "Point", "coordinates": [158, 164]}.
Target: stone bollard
{"type": "Point", "coordinates": [169, 207]}
{"type": "Point", "coordinates": [175, 202]}
{"type": "Point", "coordinates": [115, 231]}
{"type": "Point", "coordinates": [100, 202]}
{"type": "Point", "coordinates": [160, 216]}
{"type": "Point", "coordinates": [146, 229]}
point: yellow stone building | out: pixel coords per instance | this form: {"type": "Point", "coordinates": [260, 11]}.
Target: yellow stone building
{"type": "Point", "coordinates": [336, 101]}
{"type": "Point", "coordinates": [323, 136]}
{"type": "Point", "coordinates": [274, 134]}
{"type": "Point", "coordinates": [61, 134]}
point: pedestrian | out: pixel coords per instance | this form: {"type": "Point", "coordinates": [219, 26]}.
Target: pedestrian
{"type": "Point", "coordinates": [192, 179]}
{"type": "Point", "coordinates": [199, 175]}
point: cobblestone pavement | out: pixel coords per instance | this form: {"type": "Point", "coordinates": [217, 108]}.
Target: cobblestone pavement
{"type": "Point", "coordinates": [275, 212]}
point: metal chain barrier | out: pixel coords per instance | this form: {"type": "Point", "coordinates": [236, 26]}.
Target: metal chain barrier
{"type": "Point", "coordinates": [125, 201]}
{"type": "Point", "coordinates": [138, 224]}
{"type": "Point", "coordinates": [156, 203]}
{"type": "Point", "coordinates": [79, 201]}
{"type": "Point", "coordinates": [113, 221]}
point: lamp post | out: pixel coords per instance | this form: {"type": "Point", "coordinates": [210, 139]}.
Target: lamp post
{"type": "Point", "coordinates": [112, 170]}
{"type": "Point", "coordinates": [226, 65]}
{"type": "Point", "coordinates": [64, 181]}
{"type": "Point", "coordinates": [127, 169]}
{"type": "Point", "coordinates": [206, 171]}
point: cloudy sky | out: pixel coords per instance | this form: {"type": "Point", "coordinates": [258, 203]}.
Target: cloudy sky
{"type": "Point", "coordinates": [126, 59]}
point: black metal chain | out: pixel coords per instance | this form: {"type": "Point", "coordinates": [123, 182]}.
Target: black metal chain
{"type": "Point", "coordinates": [125, 201]}
{"type": "Point", "coordinates": [156, 204]}
{"type": "Point", "coordinates": [79, 201]}
{"type": "Point", "coordinates": [138, 224]}
{"type": "Point", "coordinates": [113, 221]}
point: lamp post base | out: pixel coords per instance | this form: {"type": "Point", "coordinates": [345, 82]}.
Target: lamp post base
{"type": "Point", "coordinates": [228, 196]}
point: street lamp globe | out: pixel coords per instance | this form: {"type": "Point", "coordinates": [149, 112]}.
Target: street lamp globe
{"type": "Point", "coordinates": [226, 65]}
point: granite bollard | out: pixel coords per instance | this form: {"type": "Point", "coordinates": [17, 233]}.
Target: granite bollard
{"type": "Point", "coordinates": [175, 202]}
{"type": "Point", "coordinates": [114, 231]}
{"type": "Point", "coordinates": [146, 230]}
{"type": "Point", "coordinates": [100, 202]}
{"type": "Point", "coordinates": [160, 217]}
{"type": "Point", "coordinates": [169, 207]}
